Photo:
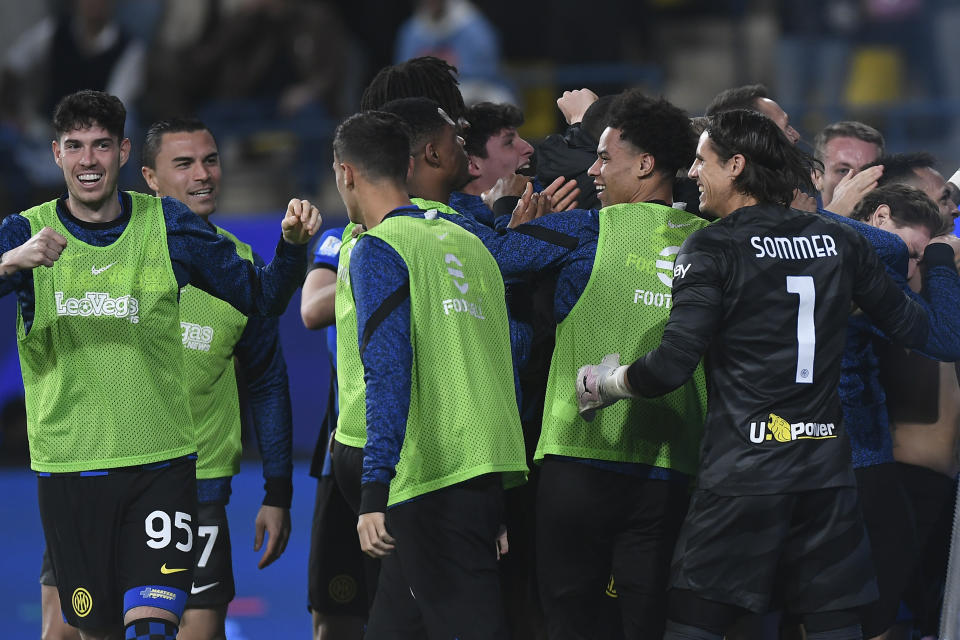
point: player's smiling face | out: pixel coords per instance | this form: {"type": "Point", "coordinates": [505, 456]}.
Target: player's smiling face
{"type": "Point", "coordinates": [714, 179]}
{"type": "Point", "coordinates": [188, 169]}
{"type": "Point", "coordinates": [615, 173]}
{"type": "Point", "coordinates": [91, 158]}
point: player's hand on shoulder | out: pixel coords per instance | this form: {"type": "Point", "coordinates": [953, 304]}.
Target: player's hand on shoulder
{"type": "Point", "coordinates": [600, 385]}
{"type": "Point", "coordinates": [301, 221]}
{"type": "Point", "coordinates": [374, 539]}
{"type": "Point", "coordinates": [44, 248]}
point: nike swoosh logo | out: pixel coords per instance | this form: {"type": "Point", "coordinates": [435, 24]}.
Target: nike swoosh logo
{"type": "Point", "coordinates": [678, 225]}
{"type": "Point", "coordinates": [96, 272]}
{"type": "Point", "coordinates": [441, 237]}
{"type": "Point", "coordinates": [165, 571]}
{"type": "Point", "coordinates": [194, 589]}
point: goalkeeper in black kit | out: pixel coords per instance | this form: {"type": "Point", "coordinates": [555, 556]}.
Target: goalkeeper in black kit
{"type": "Point", "coordinates": [763, 295]}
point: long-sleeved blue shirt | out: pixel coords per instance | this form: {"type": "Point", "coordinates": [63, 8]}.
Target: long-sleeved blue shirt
{"type": "Point", "coordinates": [199, 256]}
{"type": "Point", "coordinates": [210, 262]}
{"type": "Point", "coordinates": [862, 396]}
{"type": "Point", "coordinates": [376, 272]}
{"type": "Point", "coordinates": [264, 371]}
{"type": "Point", "coordinates": [474, 208]}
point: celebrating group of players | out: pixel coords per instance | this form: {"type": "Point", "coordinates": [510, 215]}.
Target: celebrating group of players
{"type": "Point", "coordinates": [708, 477]}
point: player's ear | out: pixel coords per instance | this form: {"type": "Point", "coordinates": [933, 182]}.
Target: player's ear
{"type": "Point", "coordinates": [410, 168]}
{"type": "Point", "coordinates": [881, 216]}
{"type": "Point", "coordinates": [150, 177]}
{"type": "Point", "coordinates": [124, 151]}
{"type": "Point", "coordinates": [737, 163]}
{"type": "Point", "coordinates": [431, 154]}
{"type": "Point", "coordinates": [349, 178]}
{"type": "Point", "coordinates": [644, 165]}
{"type": "Point", "coordinates": [56, 153]}
{"type": "Point", "coordinates": [474, 167]}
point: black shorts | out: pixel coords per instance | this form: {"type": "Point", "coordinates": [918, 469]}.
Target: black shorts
{"type": "Point", "coordinates": [591, 522]}
{"type": "Point", "coordinates": [347, 463]}
{"type": "Point", "coordinates": [120, 539]}
{"type": "Point", "coordinates": [442, 581]}
{"type": "Point", "coordinates": [47, 577]}
{"type": "Point", "coordinates": [893, 542]}
{"type": "Point", "coordinates": [212, 585]}
{"type": "Point", "coordinates": [336, 583]}
{"type": "Point", "coordinates": [806, 550]}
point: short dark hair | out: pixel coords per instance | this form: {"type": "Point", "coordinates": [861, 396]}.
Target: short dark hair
{"type": "Point", "coordinates": [655, 126]}
{"type": "Point", "coordinates": [377, 142]}
{"type": "Point", "coordinates": [596, 116]}
{"type": "Point", "coordinates": [427, 77]}
{"type": "Point", "coordinates": [422, 117]}
{"type": "Point", "coordinates": [487, 119]}
{"type": "Point", "coordinates": [87, 108]}
{"type": "Point", "coordinates": [154, 138]}
{"type": "Point", "coordinates": [744, 97]}
{"type": "Point", "coordinates": [775, 167]}
{"type": "Point", "coordinates": [898, 168]}
{"type": "Point", "coordinates": [846, 129]}
{"type": "Point", "coordinates": [909, 207]}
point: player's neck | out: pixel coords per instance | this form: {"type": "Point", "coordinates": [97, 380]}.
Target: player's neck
{"type": "Point", "coordinates": [435, 190]}
{"type": "Point", "coordinates": [376, 205]}
{"type": "Point", "coordinates": [477, 186]}
{"type": "Point", "coordinates": [106, 211]}
{"type": "Point", "coordinates": [738, 201]}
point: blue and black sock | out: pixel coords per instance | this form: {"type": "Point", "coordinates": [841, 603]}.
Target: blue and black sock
{"type": "Point", "coordinates": [151, 629]}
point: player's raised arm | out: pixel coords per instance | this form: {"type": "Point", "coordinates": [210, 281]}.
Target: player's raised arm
{"type": "Point", "coordinates": [43, 249]}
{"type": "Point", "coordinates": [210, 262]}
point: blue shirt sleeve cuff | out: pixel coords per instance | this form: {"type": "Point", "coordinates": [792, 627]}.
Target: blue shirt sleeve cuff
{"type": "Point", "coordinates": [373, 497]}
{"type": "Point", "coordinates": [279, 492]}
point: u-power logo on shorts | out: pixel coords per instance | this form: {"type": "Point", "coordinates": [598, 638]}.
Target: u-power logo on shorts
{"type": "Point", "coordinates": [95, 303]}
{"type": "Point", "coordinates": [779, 430]}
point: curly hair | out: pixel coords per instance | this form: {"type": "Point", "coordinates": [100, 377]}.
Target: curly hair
{"type": "Point", "coordinates": [424, 77]}
{"type": "Point", "coordinates": [88, 108]}
{"type": "Point", "coordinates": [655, 126]}
{"type": "Point", "coordinates": [775, 167]}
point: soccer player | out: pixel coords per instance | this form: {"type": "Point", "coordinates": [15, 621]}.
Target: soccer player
{"type": "Point", "coordinates": [443, 429]}
{"type": "Point", "coordinates": [337, 571]}
{"type": "Point", "coordinates": [909, 214]}
{"type": "Point", "coordinates": [843, 147]}
{"type": "Point", "coordinates": [109, 422]}
{"type": "Point", "coordinates": [494, 150]}
{"type": "Point", "coordinates": [611, 499]}
{"type": "Point", "coordinates": [181, 160]}
{"type": "Point", "coordinates": [764, 295]}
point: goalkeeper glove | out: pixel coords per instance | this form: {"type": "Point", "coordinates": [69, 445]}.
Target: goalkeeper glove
{"type": "Point", "coordinates": [600, 385]}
